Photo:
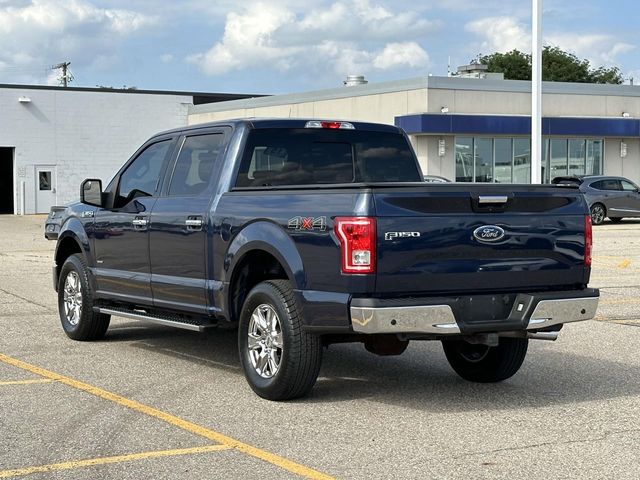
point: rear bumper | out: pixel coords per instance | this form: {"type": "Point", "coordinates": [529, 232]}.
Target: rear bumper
{"type": "Point", "coordinates": [456, 315]}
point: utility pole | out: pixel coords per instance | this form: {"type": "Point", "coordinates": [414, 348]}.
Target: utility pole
{"type": "Point", "coordinates": [66, 76]}
{"type": "Point", "coordinates": [536, 91]}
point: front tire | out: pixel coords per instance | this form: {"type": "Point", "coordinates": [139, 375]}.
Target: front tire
{"type": "Point", "coordinates": [75, 302]}
{"type": "Point", "coordinates": [280, 360]}
{"type": "Point", "coordinates": [484, 364]}
{"type": "Point", "coordinates": [598, 213]}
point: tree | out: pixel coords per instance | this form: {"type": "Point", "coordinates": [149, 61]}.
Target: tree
{"type": "Point", "coordinates": [557, 66]}
{"type": "Point", "coordinates": [561, 66]}
{"type": "Point", "coordinates": [515, 64]}
{"type": "Point", "coordinates": [607, 75]}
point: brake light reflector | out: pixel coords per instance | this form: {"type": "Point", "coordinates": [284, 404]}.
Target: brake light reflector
{"type": "Point", "coordinates": [357, 237]}
{"type": "Point", "coordinates": [588, 240]}
{"type": "Point", "coordinates": [330, 125]}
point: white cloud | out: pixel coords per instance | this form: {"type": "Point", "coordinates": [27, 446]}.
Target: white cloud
{"type": "Point", "coordinates": [501, 34]}
{"type": "Point", "coordinates": [599, 49]}
{"type": "Point", "coordinates": [248, 39]}
{"type": "Point", "coordinates": [351, 35]}
{"type": "Point", "coordinates": [401, 54]}
{"type": "Point", "coordinates": [37, 33]}
{"type": "Point", "coordinates": [166, 58]}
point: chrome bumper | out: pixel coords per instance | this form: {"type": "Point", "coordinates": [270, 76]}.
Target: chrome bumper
{"type": "Point", "coordinates": [440, 319]}
{"type": "Point", "coordinates": [554, 312]}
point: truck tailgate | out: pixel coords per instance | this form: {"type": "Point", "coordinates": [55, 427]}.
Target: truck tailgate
{"type": "Point", "coordinates": [431, 240]}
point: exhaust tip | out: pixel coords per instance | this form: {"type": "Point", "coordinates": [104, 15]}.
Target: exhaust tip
{"type": "Point", "coordinates": [552, 336]}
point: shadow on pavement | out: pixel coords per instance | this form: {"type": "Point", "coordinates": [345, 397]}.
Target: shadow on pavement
{"type": "Point", "coordinates": [419, 379]}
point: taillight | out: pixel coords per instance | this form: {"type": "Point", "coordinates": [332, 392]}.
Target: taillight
{"type": "Point", "coordinates": [357, 237]}
{"type": "Point", "coordinates": [588, 240]}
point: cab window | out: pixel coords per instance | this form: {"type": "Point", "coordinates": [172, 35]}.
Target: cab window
{"type": "Point", "coordinates": [194, 167]}
{"type": "Point", "coordinates": [140, 179]}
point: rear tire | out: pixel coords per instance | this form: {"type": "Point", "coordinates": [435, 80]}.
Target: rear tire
{"type": "Point", "coordinates": [483, 364]}
{"type": "Point", "coordinates": [75, 302]}
{"type": "Point", "coordinates": [598, 213]}
{"type": "Point", "coordinates": [280, 360]}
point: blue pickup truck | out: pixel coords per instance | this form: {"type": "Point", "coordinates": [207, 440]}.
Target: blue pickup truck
{"type": "Point", "coordinates": [304, 233]}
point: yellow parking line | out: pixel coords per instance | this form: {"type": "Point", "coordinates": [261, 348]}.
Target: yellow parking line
{"type": "Point", "coordinates": [625, 263]}
{"type": "Point", "coordinates": [26, 382]}
{"type": "Point", "coordinates": [108, 460]}
{"type": "Point", "coordinates": [277, 460]}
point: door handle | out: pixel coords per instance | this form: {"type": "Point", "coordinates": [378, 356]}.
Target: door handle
{"type": "Point", "coordinates": [194, 223]}
{"type": "Point", "coordinates": [139, 222]}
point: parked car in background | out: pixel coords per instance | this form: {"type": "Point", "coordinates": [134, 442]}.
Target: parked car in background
{"type": "Point", "coordinates": [436, 179]}
{"type": "Point", "coordinates": [613, 197]}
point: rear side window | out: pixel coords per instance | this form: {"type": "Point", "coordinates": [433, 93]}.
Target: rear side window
{"type": "Point", "coordinates": [628, 186]}
{"type": "Point", "coordinates": [607, 185]}
{"type": "Point", "coordinates": [321, 156]}
{"type": "Point", "coordinates": [194, 166]}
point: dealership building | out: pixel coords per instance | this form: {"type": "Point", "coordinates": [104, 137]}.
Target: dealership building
{"type": "Point", "coordinates": [465, 129]}
{"type": "Point", "coordinates": [478, 129]}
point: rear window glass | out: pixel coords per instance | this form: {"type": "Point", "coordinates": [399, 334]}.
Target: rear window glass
{"type": "Point", "coordinates": [319, 156]}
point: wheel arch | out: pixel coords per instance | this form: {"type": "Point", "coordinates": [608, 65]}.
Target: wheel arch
{"type": "Point", "coordinates": [261, 251]}
{"type": "Point", "coordinates": [71, 240]}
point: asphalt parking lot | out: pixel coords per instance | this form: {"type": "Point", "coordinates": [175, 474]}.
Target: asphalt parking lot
{"type": "Point", "coordinates": [154, 402]}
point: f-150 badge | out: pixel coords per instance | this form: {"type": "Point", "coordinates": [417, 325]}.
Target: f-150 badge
{"type": "Point", "coordinates": [394, 235]}
{"type": "Point", "coordinates": [308, 223]}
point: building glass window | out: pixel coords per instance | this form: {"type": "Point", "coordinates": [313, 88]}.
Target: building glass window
{"type": "Point", "coordinates": [508, 160]}
{"type": "Point", "coordinates": [558, 166]}
{"type": "Point", "coordinates": [464, 159]}
{"type": "Point", "coordinates": [594, 157]}
{"type": "Point", "coordinates": [521, 160]}
{"type": "Point", "coordinates": [576, 156]}
{"type": "Point", "coordinates": [484, 159]}
{"type": "Point", "coordinates": [502, 160]}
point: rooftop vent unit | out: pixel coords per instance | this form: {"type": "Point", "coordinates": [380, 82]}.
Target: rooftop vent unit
{"type": "Point", "coordinates": [353, 80]}
{"type": "Point", "coordinates": [477, 70]}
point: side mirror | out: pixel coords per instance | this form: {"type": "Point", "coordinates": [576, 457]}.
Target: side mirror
{"type": "Point", "coordinates": [91, 192]}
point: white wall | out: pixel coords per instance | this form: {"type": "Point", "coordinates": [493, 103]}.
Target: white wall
{"type": "Point", "coordinates": [626, 167]}
{"type": "Point", "coordinates": [85, 134]}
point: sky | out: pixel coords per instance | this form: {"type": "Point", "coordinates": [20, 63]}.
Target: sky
{"type": "Point", "coordinates": [281, 46]}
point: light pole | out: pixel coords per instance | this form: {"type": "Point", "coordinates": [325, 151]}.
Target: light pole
{"type": "Point", "coordinates": [536, 91]}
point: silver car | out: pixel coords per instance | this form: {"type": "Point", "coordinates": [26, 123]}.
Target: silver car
{"type": "Point", "coordinates": [613, 197]}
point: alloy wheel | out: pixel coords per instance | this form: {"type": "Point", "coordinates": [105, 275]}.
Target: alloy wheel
{"type": "Point", "coordinates": [72, 298]}
{"type": "Point", "coordinates": [265, 341]}
{"type": "Point", "coordinates": [597, 214]}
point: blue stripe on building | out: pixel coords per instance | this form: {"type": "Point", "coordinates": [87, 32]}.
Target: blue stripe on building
{"type": "Point", "coordinates": [446, 124]}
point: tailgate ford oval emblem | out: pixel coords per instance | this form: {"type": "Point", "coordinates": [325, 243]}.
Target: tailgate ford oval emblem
{"type": "Point", "coordinates": [488, 233]}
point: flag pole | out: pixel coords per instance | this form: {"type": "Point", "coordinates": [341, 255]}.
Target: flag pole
{"type": "Point", "coordinates": [536, 91]}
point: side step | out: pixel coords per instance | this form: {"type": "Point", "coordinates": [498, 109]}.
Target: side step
{"type": "Point", "coordinates": [195, 324]}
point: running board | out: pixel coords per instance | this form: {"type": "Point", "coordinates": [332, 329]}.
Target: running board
{"type": "Point", "coordinates": [160, 320]}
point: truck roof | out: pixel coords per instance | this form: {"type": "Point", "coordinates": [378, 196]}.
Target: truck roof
{"type": "Point", "coordinates": [280, 123]}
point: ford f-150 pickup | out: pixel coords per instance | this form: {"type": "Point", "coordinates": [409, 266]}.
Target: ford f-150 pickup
{"type": "Point", "coordinates": [303, 233]}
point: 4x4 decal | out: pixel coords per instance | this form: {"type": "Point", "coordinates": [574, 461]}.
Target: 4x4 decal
{"type": "Point", "coordinates": [308, 223]}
